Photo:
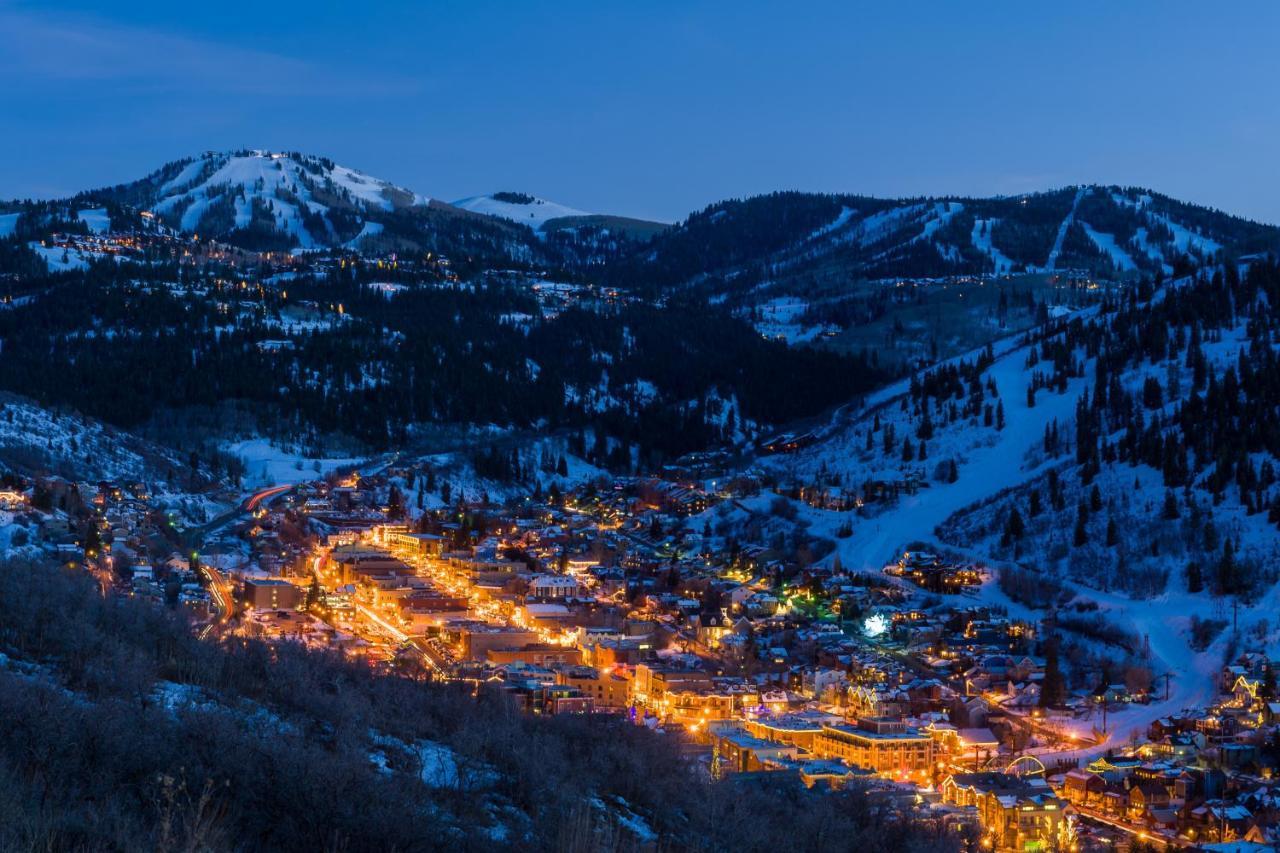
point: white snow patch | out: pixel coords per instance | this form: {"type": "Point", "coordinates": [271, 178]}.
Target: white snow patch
{"type": "Point", "coordinates": [1062, 231]}
{"type": "Point", "coordinates": [1106, 243]}
{"type": "Point", "coordinates": [841, 220]}
{"type": "Point", "coordinates": [369, 229]}
{"type": "Point", "coordinates": [268, 465]}
{"type": "Point", "coordinates": [1184, 239]}
{"type": "Point", "coordinates": [535, 214]}
{"type": "Point", "coordinates": [97, 219]}
{"type": "Point", "coordinates": [58, 259]}
{"type": "Point", "coordinates": [981, 239]}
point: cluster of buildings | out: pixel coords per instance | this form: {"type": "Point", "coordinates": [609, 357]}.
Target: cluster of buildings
{"type": "Point", "coordinates": [617, 599]}
{"type": "Point", "coordinates": [113, 529]}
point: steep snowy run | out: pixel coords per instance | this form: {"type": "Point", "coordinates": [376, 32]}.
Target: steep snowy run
{"type": "Point", "coordinates": [1056, 251]}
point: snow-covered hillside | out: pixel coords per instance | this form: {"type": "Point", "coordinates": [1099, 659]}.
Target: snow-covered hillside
{"type": "Point", "coordinates": [35, 440]}
{"type": "Point", "coordinates": [311, 200]}
{"type": "Point", "coordinates": [1157, 534]}
{"type": "Point", "coordinates": [39, 442]}
{"type": "Point", "coordinates": [518, 207]}
{"type": "Point", "coordinates": [800, 244]}
{"type": "Point", "coordinates": [8, 223]}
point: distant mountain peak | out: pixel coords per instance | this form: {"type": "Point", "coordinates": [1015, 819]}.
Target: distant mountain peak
{"type": "Point", "coordinates": [261, 195]}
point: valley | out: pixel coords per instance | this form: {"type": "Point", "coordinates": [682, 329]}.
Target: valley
{"type": "Point", "coordinates": [962, 508]}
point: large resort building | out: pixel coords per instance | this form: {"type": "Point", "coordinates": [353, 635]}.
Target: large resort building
{"type": "Point", "coordinates": [887, 746]}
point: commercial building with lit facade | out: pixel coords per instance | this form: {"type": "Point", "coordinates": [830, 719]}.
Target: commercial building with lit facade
{"type": "Point", "coordinates": [882, 744]}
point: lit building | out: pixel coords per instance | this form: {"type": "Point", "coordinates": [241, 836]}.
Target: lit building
{"type": "Point", "coordinates": [272, 594]}
{"type": "Point", "coordinates": [1017, 812]}
{"type": "Point", "coordinates": [882, 744]}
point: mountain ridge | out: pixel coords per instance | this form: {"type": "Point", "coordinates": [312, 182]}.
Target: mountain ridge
{"type": "Point", "coordinates": [261, 200]}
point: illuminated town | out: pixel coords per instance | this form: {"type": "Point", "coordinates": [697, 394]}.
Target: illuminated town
{"type": "Point", "coordinates": [615, 598]}
{"type": "Point", "coordinates": [695, 428]}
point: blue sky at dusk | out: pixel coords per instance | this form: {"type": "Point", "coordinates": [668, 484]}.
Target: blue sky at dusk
{"type": "Point", "coordinates": [656, 109]}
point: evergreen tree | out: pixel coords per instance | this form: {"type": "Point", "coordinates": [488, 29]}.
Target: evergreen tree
{"type": "Point", "coordinates": [1210, 536]}
{"type": "Point", "coordinates": [1227, 569]}
{"type": "Point", "coordinates": [1195, 583]}
{"type": "Point", "coordinates": [1013, 527]}
{"type": "Point", "coordinates": [1081, 536]}
{"type": "Point", "coordinates": [313, 594]}
{"type": "Point", "coordinates": [395, 503]}
{"type": "Point", "coordinates": [1053, 688]}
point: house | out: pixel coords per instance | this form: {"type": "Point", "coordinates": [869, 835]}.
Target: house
{"type": "Point", "coordinates": [1145, 797]}
{"type": "Point", "coordinates": [972, 712]}
{"type": "Point", "coordinates": [1082, 788]}
{"type": "Point", "coordinates": [1216, 821]}
{"type": "Point", "coordinates": [608, 690]}
{"type": "Point", "coordinates": [712, 625]}
{"type": "Point", "coordinates": [976, 743]}
{"type": "Point", "coordinates": [553, 587]}
{"type": "Point", "coordinates": [1018, 813]}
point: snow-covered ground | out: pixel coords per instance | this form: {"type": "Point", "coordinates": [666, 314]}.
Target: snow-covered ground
{"type": "Point", "coordinates": [535, 214]}
{"type": "Point", "coordinates": [35, 438]}
{"type": "Point", "coordinates": [369, 229]}
{"type": "Point", "coordinates": [62, 260]}
{"type": "Point", "coordinates": [779, 318]}
{"type": "Point", "coordinates": [1106, 243]}
{"type": "Point", "coordinates": [988, 460]}
{"type": "Point", "coordinates": [8, 224]}
{"type": "Point", "coordinates": [1151, 250]}
{"type": "Point", "coordinates": [1185, 239]}
{"type": "Point", "coordinates": [981, 239]}
{"type": "Point", "coordinates": [97, 219]}
{"type": "Point", "coordinates": [841, 220]}
{"type": "Point", "coordinates": [269, 465]}
{"type": "Point", "coordinates": [456, 470]}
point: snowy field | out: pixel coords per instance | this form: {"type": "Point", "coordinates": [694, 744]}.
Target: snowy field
{"type": "Point", "coordinates": [268, 465]}
{"type": "Point", "coordinates": [535, 214]}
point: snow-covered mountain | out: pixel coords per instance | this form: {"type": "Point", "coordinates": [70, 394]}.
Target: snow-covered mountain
{"type": "Point", "coordinates": [519, 207]}
{"type": "Point", "coordinates": [775, 240]}
{"type": "Point", "coordinates": [310, 199]}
